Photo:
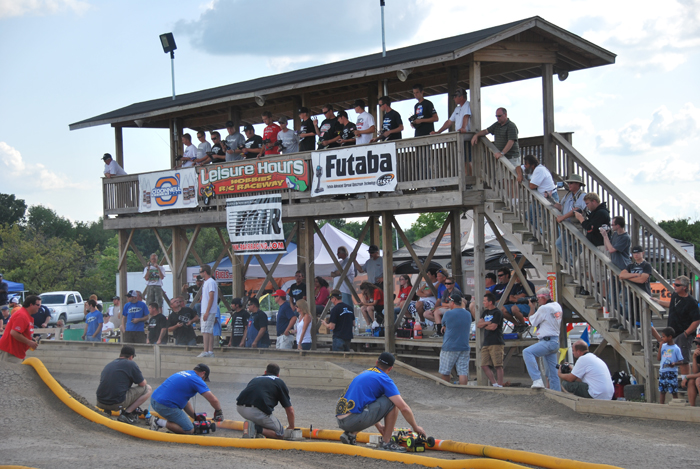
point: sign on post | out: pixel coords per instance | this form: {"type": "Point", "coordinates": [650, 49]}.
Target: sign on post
{"type": "Point", "coordinates": [254, 224]}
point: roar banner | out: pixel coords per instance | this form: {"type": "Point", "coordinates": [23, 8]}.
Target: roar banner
{"type": "Point", "coordinates": [255, 224]}
{"type": "Point", "coordinates": [167, 190]}
{"type": "Point", "coordinates": [354, 170]}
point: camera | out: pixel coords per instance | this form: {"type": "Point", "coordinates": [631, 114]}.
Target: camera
{"type": "Point", "coordinates": [525, 300]}
{"type": "Point", "coordinates": [241, 146]}
{"type": "Point", "coordinates": [266, 141]}
{"type": "Point", "coordinates": [605, 227]}
{"type": "Point", "coordinates": [278, 143]}
{"type": "Point", "coordinates": [209, 153]}
{"type": "Point", "coordinates": [564, 367]}
{"type": "Point", "coordinates": [412, 118]}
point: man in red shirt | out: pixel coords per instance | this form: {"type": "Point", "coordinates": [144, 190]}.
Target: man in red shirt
{"type": "Point", "coordinates": [18, 333]}
{"type": "Point", "coordinates": [270, 135]}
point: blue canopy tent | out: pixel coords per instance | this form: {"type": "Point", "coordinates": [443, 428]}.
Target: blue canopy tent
{"type": "Point", "coordinates": [14, 287]}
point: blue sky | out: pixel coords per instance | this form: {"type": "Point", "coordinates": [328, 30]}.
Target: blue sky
{"type": "Point", "coordinates": [64, 61]}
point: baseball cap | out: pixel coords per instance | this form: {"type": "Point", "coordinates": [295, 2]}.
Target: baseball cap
{"type": "Point", "coordinates": [337, 293]}
{"type": "Point", "coordinates": [460, 92]}
{"type": "Point", "coordinates": [115, 298]}
{"type": "Point", "coordinates": [303, 110]}
{"type": "Point", "coordinates": [14, 300]}
{"type": "Point", "coordinates": [280, 293]}
{"type": "Point", "coordinates": [4, 307]}
{"type": "Point", "coordinates": [106, 156]}
{"type": "Point", "coordinates": [373, 248]}
{"type": "Point", "coordinates": [237, 301]}
{"type": "Point", "coordinates": [131, 294]}
{"type": "Point", "coordinates": [229, 124]}
{"type": "Point", "coordinates": [128, 350]}
{"type": "Point", "coordinates": [637, 249]}
{"type": "Point", "coordinates": [359, 103]}
{"type": "Point", "coordinates": [248, 127]}
{"type": "Point", "coordinates": [342, 114]}
{"type": "Point", "coordinates": [456, 297]}
{"type": "Point", "coordinates": [199, 278]}
{"type": "Point", "coordinates": [205, 369]}
{"type": "Point", "coordinates": [386, 358]}
{"type": "Point", "coordinates": [282, 120]}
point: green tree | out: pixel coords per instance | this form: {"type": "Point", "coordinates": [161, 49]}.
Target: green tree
{"type": "Point", "coordinates": [684, 229]}
{"type": "Point", "coordinates": [12, 210]}
{"type": "Point", "coordinates": [427, 223]}
{"type": "Point", "coordinates": [45, 220]}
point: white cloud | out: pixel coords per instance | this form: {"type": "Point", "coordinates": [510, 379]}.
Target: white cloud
{"type": "Point", "coordinates": [672, 169]}
{"type": "Point", "coordinates": [14, 168]}
{"type": "Point", "coordinates": [10, 8]}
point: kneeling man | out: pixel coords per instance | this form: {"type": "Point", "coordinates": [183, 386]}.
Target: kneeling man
{"type": "Point", "coordinates": [257, 401]}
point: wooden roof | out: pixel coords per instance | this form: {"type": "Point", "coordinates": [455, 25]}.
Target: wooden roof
{"type": "Point", "coordinates": [508, 53]}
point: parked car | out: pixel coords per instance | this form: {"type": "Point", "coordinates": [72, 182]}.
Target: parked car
{"type": "Point", "coordinates": [66, 305]}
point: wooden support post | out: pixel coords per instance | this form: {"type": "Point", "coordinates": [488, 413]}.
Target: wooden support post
{"type": "Point", "coordinates": [301, 247]}
{"type": "Point", "coordinates": [475, 95]}
{"type": "Point", "coordinates": [179, 277]}
{"type": "Point", "coordinates": [238, 282]}
{"type": "Point", "coordinates": [374, 233]}
{"type": "Point", "coordinates": [389, 334]}
{"type": "Point", "coordinates": [307, 233]}
{"type": "Point", "coordinates": [452, 80]}
{"type": "Point", "coordinates": [295, 114]}
{"type": "Point", "coordinates": [234, 115]}
{"type": "Point", "coordinates": [479, 286]}
{"type": "Point", "coordinates": [119, 146]}
{"type": "Point", "coordinates": [124, 240]}
{"type": "Point", "coordinates": [548, 159]}
{"type": "Point", "coordinates": [456, 248]}
{"type": "Point", "coordinates": [372, 95]}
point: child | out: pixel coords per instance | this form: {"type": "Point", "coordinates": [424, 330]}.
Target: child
{"type": "Point", "coordinates": [670, 356]}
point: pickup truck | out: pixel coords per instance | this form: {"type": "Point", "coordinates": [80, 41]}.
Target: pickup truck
{"type": "Point", "coordinates": [66, 305]}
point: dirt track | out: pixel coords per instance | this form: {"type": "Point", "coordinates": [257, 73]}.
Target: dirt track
{"type": "Point", "coordinates": [37, 430]}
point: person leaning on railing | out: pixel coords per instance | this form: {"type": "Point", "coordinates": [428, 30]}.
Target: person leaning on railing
{"type": "Point", "coordinates": [596, 216]}
{"type": "Point", "coordinates": [505, 134]}
{"type": "Point", "coordinates": [572, 201]}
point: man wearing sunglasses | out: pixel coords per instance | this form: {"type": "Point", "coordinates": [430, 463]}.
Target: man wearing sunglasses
{"type": "Point", "coordinates": [505, 137]}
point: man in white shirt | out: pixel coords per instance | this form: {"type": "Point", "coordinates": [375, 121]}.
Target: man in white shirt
{"type": "Point", "coordinates": [112, 168]}
{"type": "Point", "coordinates": [590, 376]}
{"type": "Point", "coordinates": [547, 320]}
{"type": "Point", "coordinates": [289, 138]}
{"type": "Point", "coordinates": [365, 124]}
{"type": "Point", "coordinates": [203, 146]}
{"type": "Point", "coordinates": [538, 177]}
{"type": "Point", "coordinates": [154, 274]}
{"type": "Point", "coordinates": [233, 140]}
{"type": "Point", "coordinates": [343, 287]}
{"type": "Point", "coordinates": [460, 116]}
{"type": "Point", "coordinates": [190, 155]}
{"type": "Point", "coordinates": [210, 304]}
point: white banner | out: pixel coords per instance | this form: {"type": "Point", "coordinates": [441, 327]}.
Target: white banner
{"type": "Point", "coordinates": [167, 190]}
{"type": "Point", "coordinates": [354, 170]}
{"type": "Point", "coordinates": [254, 224]}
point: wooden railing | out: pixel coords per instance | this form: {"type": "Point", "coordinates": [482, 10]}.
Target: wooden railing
{"type": "Point", "coordinates": [436, 161]}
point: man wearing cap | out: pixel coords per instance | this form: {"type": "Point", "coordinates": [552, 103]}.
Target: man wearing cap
{"type": "Point", "coordinates": [547, 320]}
{"type": "Point", "coordinates": [112, 168]}
{"type": "Point", "coordinates": [286, 318]}
{"type": "Point", "coordinates": [369, 398]}
{"type": "Point", "coordinates": [256, 334]}
{"type": "Point", "coordinates": [505, 134]}
{"type": "Point", "coordinates": [239, 322]}
{"type": "Point", "coordinates": [270, 135]}
{"type": "Point", "coordinates": [115, 307]}
{"type": "Point", "coordinates": [341, 321]}
{"type": "Point", "coordinates": [392, 125]}
{"type": "Point", "coordinates": [595, 216]}
{"type": "Point", "coordinates": [289, 138]}
{"type": "Point", "coordinates": [4, 316]}
{"type": "Point", "coordinates": [329, 132]}
{"type": "Point", "coordinates": [17, 338]}
{"type": "Point", "coordinates": [192, 290]}
{"type": "Point", "coordinates": [364, 123]}
{"type": "Point", "coordinates": [491, 321]}
{"type": "Point", "coordinates": [374, 267]}
{"type": "Point", "coordinates": [180, 322]}
{"type": "Point", "coordinates": [233, 140]}
{"type": "Point", "coordinates": [573, 200]}
{"type": "Point", "coordinates": [4, 289]}
{"type": "Point", "coordinates": [456, 327]}
{"type": "Point", "coordinates": [171, 400]}
{"type": "Point", "coordinates": [683, 317]}
{"type": "Point", "coordinates": [210, 306]}
{"type": "Point", "coordinates": [117, 391]}
{"type": "Point", "coordinates": [343, 287]}
{"type": "Point", "coordinates": [424, 113]}
{"type": "Point", "coordinates": [306, 132]}
{"type": "Point", "coordinates": [442, 305]}
{"type": "Point", "coordinates": [136, 314]}
{"type": "Point", "coordinates": [298, 290]}
{"type": "Point", "coordinates": [460, 116]}
{"type": "Point", "coordinates": [253, 145]}
{"type": "Point", "coordinates": [153, 274]}
{"type": "Point", "coordinates": [258, 400]}
{"type": "Point", "coordinates": [347, 132]}
{"type": "Point", "coordinates": [639, 271]}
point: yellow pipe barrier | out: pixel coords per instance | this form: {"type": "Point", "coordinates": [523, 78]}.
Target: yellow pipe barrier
{"type": "Point", "coordinates": [330, 448]}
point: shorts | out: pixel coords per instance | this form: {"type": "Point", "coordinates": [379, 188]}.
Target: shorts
{"type": "Point", "coordinates": [524, 309]}
{"type": "Point", "coordinates": [492, 355]}
{"type": "Point", "coordinates": [285, 342]}
{"type": "Point", "coordinates": [668, 381]}
{"type": "Point", "coordinates": [450, 359]}
{"type": "Point", "coordinates": [258, 417]}
{"type": "Point", "coordinates": [428, 304]}
{"type": "Point", "coordinates": [173, 414]}
{"type": "Point", "coordinates": [131, 396]}
{"type": "Point", "coordinates": [683, 343]}
{"type": "Point", "coordinates": [370, 415]}
{"type": "Point", "coordinates": [134, 337]}
{"type": "Point", "coordinates": [208, 325]}
{"type": "Point", "coordinates": [7, 357]}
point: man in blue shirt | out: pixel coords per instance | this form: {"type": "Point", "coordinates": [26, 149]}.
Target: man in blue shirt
{"type": "Point", "coordinates": [371, 397]}
{"type": "Point", "coordinates": [172, 400]}
{"type": "Point", "coordinates": [93, 323]}
{"type": "Point", "coordinates": [457, 326]}
{"type": "Point", "coordinates": [286, 318]}
{"type": "Point", "coordinates": [135, 313]}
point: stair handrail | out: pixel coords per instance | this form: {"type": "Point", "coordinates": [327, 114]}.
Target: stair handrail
{"type": "Point", "coordinates": [570, 161]}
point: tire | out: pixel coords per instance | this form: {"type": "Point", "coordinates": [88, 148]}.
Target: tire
{"type": "Point", "coordinates": [431, 441]}
{"type": "Point", "coordinates": [63, 318]}
{"type": "Point", "coordinates": [409, 443]}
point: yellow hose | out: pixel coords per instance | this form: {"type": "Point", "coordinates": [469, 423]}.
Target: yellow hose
{"type": "Point", "coordinates": [331, 448]}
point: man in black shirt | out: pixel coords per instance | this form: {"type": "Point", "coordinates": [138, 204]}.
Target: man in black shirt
{"type": "Point", "coordinates": [298, 290]}
{"type": "Point", "coordinates": [329, 132]}
{"type": "Point", "coordinates": [239, 322]}
{"type": "Point", "coordinates": [683, 317]}
{"type": "Point", "coordinates": [192, 290]}
{"type": "Point", "coordinates": [253, 144]}
{"type": "Point", "coordinates": [257, 401]}
{"type": "Point", "coordinates": [392, 125]}
{"type": "Point", "coordinates": [157, 325]}
{"type": "Point", "coordinates": [424, 114]}
{"type": "Point", "coordinates": [306, 132]}
{"type": "Point", "coordinates": [639, 271]}
{"type": "Point", "coordinates": [4, 288]}
{"type": "Point", "coordinates": [218, 150]}
{"type": "Point", "coordinates": [180, 322]}
{"type": "Point", "coordinates": [115, 390]}
{"type": "Point", "coordinates": [341, 322]}
{"type": "Point", "coordinates": [491, 321]}
{"type": "Point", "coordinates": [347, 134]}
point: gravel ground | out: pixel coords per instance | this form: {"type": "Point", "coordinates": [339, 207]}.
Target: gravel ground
{"type": "Point", "coordinates": [38, 430]}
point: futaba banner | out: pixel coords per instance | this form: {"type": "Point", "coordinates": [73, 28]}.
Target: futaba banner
{"type": "Point", "coordinates": [254, 224]}
{"type": "Point", "coordinates": [254, 176]}
{"type": "Point", "coordinates": [165, 190]}
{"type": "Point", "coordinates": [354, 170]}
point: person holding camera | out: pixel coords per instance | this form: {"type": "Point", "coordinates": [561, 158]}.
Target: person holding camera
{"type": "Point", "coordinates": [596, 215]}
{"type": "Point", "coordinates": [547, 319]}
{"type": "Point", "coordinates": [270, 134]}
{"type": "Point", "coordinates": [571, 203]}
{"type": "Point", "coordinates": [154, 274]}
{"type": "Point", "coordinates": [329, 132]}
{"type": "Point", "coordinates": [589, 378]}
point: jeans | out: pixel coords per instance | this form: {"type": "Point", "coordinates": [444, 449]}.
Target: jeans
{"type": "Point", "coordinates": [549, 350]}
{"type": "Point", "coordinates": [347, 299]}
{"type": "Point", "coordinates": [340, 345]}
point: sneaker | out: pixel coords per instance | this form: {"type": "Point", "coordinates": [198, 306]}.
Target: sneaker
{"type": "Point", "coordinates": [496, 385]}
{"type": "Point", "coordinates": [153, 423]}
{"type": "Point", "coordinates": [260, 435]}
{"type": "Point", "coordinates": [537, 384]}
{"type": "Point", "coordinates": [203, 354]}
{"type": "Point", "coordinates": [128, 417]}
{"type": "Point", "coordinates": [210, 354]}
{"type": "Point", "coordinates": [391, 446]}
{"type": "Point", "coordinates": [348, 439]}
{"type": "Point", "coordinates": [583, 291]}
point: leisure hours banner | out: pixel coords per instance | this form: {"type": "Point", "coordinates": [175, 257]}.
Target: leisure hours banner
{"type": "Point", "coordinates": [354, 170]}
{"type": "Point", "coordinates": [255, 224]}
{"type": "Point", "coordinates": [166, 190]}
